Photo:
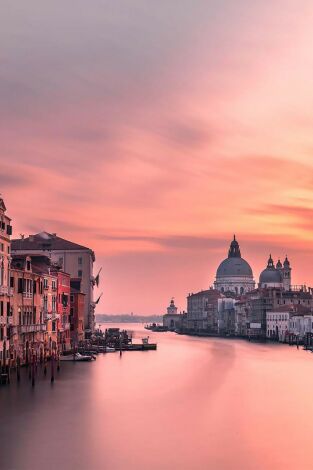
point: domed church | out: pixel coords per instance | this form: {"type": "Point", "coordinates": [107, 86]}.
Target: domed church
{"type": "Point", "coordinates": [276, 276]}
{"type": "Point", "coordinates": [234, 274]}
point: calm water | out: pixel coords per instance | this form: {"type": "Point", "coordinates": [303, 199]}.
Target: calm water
{"type": "Point", "coordinates": [192, 404]}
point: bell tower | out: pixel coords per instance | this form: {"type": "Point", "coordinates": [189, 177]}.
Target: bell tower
{"type": "Point", "coordinates": [286, 272]}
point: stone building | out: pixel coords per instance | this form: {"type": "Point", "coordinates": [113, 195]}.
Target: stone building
{"type": "Point", "coordinates": [63, 308]}
{"type": "Point", "coordinates": [29, 330]}
{"type": "Point", "coordinates": [202, 311]}
{"type": "Point", "coordinates": [172, 320]}
{"type": "Point", "coordinates": [234, 274]}
{"type": "Point", "coordinates": [277, 324]}
{"type": "Point", "coordinates": [5, 289]}
{"type": "Point", "coordinates": [226, 316]}
{"type": "Point", "coordinates": [77, 305]}
{"type": "Point", "coordinates": [77, 260]}
{"type": "Point", "coordinates": [241, 317]}
{"type": "Point", "coordinates": [300, 326]}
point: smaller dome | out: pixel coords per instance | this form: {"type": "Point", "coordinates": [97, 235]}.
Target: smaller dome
{"type": "Point", "coordinates": [270, 276]}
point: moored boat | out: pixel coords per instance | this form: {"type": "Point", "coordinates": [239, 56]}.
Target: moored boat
{"type": "Point", "coordinates": [76, 357]}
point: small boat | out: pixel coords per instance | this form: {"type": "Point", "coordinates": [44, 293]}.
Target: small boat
{"type": "Point", "coordinates": [90, 354]}
{"type": "Point", "coordinates": [76, 357]}
{"type": "Point", "coordinates": [107, 349]}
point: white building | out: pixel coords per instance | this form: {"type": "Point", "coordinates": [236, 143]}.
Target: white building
{"type": "Point", "coordinates": [277, 324]}
{"type": "Point", "coordinates": [234, 274]}
{"type": "Point", "coordinates": [172, 320]}
{"type": "Point", "coordinates": [299, 325]}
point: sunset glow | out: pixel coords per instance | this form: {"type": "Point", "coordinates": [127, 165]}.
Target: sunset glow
{"type": "Point", "coordinates": [153, 133]}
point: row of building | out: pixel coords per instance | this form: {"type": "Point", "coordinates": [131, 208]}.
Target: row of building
{"type": "Point", "coordinates": [46, 293]}
{"type": "Point", "coordinates": [235, 306]}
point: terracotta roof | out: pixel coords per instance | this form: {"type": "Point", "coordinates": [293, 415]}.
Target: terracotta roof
{"type": "Point", "coordinates": [45, 241]}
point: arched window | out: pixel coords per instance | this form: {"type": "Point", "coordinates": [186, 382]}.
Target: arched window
{"type": "Point", "coordinates": [222, 289]}
{"type": "Point", "coordinates": [241, 290]}
{"type": "Point", "coordinates": [236, 290]}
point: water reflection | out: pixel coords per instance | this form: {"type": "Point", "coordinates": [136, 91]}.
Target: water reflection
{"type": "Point", "coordinates": [195, 403]}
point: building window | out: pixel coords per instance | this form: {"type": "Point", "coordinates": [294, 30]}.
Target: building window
{"type": "Point", "coordinates": [80, 260]}
{"type": "Point", "coordinates": [80, 273]}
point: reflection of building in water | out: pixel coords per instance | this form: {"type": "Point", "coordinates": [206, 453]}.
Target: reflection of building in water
{"type": "Point", "coordinates": [234, 274]}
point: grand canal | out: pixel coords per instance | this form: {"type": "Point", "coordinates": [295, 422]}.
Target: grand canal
{"type": "Point", "coordinates": [195, 403]}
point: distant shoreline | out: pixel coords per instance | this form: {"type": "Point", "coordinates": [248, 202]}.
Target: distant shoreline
{"type": "Point", "coordinates": [103, 318]}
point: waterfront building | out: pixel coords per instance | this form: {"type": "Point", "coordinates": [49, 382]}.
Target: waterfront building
{"type": "Point", "coordinates": [255, 306]}
{"type": "Point", "coordinates": [202, 311]}
{"type": "Point", "coordinates": [5, 289]}
{"type": "Point", "coordinates": [29, 320]}
{"type": "Point", "coordinates": [77, 306]}
{"type": "Point", "coordinates": [278, 324]}
{"type": "Point", "coordinates": [62, 290]}
{"type": "Point", "coordinates": [77, 260]}
{"type": "Point", "coordinates": [226, 316]}
{"type": "Point", "coordinates": [241, 320]}
{"type": "Point", "coordinates": [234, 274]}
{"type": "Point", "coordinates": [172, 320]}
{"type": "Point", "coordinates": [42, 266]}
{"type": "Point", "coordinates": [300, 326]}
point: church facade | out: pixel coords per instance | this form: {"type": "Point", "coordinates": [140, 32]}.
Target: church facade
{"type": "Point", "coordinates": [234, 274]}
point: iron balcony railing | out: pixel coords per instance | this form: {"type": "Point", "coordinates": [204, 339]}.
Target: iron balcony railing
{"type": "Point", "coordinates": [5, 290]}
{"type": "Point", "coordinates": [29, 328]}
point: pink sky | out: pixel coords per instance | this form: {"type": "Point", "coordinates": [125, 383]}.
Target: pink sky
{"type": "Point", "coordinates": [153, 131]}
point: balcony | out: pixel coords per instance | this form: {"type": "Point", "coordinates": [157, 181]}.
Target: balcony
{"type": "Point", "coordinates": [31, 328]}
{"type": "Point", "coordinates": [3, 320]}
{"type": "Point", "coordinates": [27, 295]}
{"type": "Point", "coordinates": [5, 290]}
{"type": "Point", "coordinates": [66, 326]}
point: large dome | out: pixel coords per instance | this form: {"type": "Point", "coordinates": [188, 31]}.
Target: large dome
{"type": "Point", "coordinates": [234, 274]}
{"type": "Point", "coordinates": [232, 267]}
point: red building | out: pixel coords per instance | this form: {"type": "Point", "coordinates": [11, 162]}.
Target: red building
{"type": "Point", "coordinates": [63, 309]}
{"type": "Point", "coordinates": [77, 311]}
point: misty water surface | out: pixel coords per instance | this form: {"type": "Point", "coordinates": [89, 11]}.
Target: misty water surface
{"type": "Point", "coordinates": [195, 403]}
